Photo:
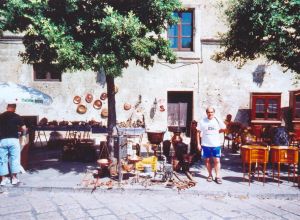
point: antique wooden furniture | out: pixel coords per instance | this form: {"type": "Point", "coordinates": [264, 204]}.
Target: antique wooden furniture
{"type": "Point", "coordinates": [284, 154]}
{"type": "Point", "coordinates": [254, 154]}
{"type": "Point", "coordinates": [265, 111]}
{"type": "Point", "coordinates": [294, 104]}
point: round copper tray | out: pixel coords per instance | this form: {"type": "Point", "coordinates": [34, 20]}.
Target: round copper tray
{"type": "Point", "coordinates": [97, 104]}
{"type": "Point", "coordinates": [81, 109]}
{"type": "Point", "coordinates": [104, 112]}
{"type": "Point", "coordinates": [127, 106]}
{"type": "Point", "coordinates": [103, 96]}
{"type": "Point", "coordinates": [89, 98]}
{"type": "Point", "coordinates": [77, 99]}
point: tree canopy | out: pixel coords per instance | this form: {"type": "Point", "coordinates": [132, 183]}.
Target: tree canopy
{"type": "Point", "coordinates": [91, 34]}
{"type": "Point", "coordinates": [262, 27]}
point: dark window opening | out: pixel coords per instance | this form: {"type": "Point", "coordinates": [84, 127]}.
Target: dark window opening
{"type": "Point", "coordinates": [180, 111]}
{"type": "Point", "coordinates": [46, 72]}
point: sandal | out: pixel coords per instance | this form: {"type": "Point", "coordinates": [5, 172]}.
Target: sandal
{"type": "Point", "coordinates": [218, 180]}
{"type": "Point", "coordinates": [209, 179]}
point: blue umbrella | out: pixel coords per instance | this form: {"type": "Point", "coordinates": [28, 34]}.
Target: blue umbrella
{"type": "Point", "coordinates": [11, 92]}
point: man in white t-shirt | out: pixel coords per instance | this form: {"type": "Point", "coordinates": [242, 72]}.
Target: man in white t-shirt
{"type": "Point", "coordinates": [210, 129]}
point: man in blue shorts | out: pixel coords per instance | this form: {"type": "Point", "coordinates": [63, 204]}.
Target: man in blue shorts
{"type": "Point", "coordinates": [210, 129]}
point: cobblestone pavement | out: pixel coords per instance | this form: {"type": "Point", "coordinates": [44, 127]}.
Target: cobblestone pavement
{"type": "Point", "coordinates": [53, 189]}
{"type": "Point", "coordinates": [25, 204]}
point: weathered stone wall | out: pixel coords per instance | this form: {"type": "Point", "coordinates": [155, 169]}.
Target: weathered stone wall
{"type": "Point", "coordinates": [219, 84]}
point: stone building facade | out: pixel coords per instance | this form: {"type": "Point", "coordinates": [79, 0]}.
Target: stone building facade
{"type": "Point", "coordinates": [195, 79]}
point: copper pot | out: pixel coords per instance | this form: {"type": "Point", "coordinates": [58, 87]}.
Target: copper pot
{"type": "Point", "coordinates": [81, 109]}
{"type": "Point", "coordinates": [155, 137]}
{"type": "Point", "coordinates": [97, 104]}
{"type": "Point", "coordinates": [89, 98]}
{"type": "Point", "coordinates": [76, 99]}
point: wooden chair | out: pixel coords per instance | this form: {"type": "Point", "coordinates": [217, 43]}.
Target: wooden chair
{"type": "Point", "coordinates": [285, 155]}
{"type": "Point", "coordinates": [252, 154]}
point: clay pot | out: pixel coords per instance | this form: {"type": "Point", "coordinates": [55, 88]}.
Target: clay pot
{"type": "Point", "coordinates": [103, 96]}
{"type": "Point", "coordinates": [76, 99]}
{"type": "Point", "coordinates": [127, 106]}
{"type": "Point", "coordinates": [104, 112]}
{"type": "Point", "coordinates": [89, 98]}
{"type": "Point", "coordinates": [97, 104]}
{"type": "Point", "coordinates": [81, 109]}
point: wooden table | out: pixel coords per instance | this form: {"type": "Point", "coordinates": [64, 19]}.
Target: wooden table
{"type": "Point", "coordinates": [284, 154]}
{"type": "Point", "coordinates": [254, 154]}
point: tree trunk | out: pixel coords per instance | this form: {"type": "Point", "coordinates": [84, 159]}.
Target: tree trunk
{"type": "Point", "coordinates": [112, 119]}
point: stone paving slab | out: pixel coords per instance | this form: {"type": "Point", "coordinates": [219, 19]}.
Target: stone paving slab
{"type": "Point", "coordinates": [128, 205]}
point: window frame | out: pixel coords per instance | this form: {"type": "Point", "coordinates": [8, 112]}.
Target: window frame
{"type": "Point", "coordinates": [48, 71]}
{"type": "Point", "coordinates": [267, 103]}
{"type": "Point", "coordinates": [180, 36]}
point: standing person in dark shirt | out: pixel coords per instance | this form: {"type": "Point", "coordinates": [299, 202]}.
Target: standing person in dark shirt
{"type": "Point", "coordinates": [10, 124]}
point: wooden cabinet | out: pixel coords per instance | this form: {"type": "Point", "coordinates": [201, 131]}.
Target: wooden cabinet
{"type": "Point", "coordinates": [295, 110]}
{"type": "Point", "coordinates": [265, 111]}
{"type": "Point", "coordinates": [287, 155]}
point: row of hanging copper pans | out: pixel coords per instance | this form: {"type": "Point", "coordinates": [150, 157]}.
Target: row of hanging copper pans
{"type": "Point", "coordinates": [81, 109]}
{"type": "Point", "coordinates": [89, 98]}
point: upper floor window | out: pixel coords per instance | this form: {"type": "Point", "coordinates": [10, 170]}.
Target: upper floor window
{"type": "Point", "coordinates": [181, 35]}
{"type": "Point", "coordinates": [44, 72]}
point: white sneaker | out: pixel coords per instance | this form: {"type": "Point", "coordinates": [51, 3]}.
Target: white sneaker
{"type": "Point", "coordinates": [4, 181]}
{"type": "Point", "coordinates": [15, 181]}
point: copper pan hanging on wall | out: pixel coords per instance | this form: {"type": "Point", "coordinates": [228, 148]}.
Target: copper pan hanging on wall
{"type": "Point", "coordinates": [89, 98]}
{"type": "Point", "coordinates": [127, 106]}
{"type": "Point", "coordinates": [81, 109]}
{"type": "Point", "coordinates": [97, 104]}
{"type": "Point", "coordinates": [104, 113]}
{"type": "Point", "coordinates": [76, 99]}
{"type": "Point", "coordinates": [103, 96]}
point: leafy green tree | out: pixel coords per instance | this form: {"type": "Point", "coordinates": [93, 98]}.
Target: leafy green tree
{"type": "Point", "coordinates": [92, 34]}
{"type": "Point", "coordinates": [262, 27]}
